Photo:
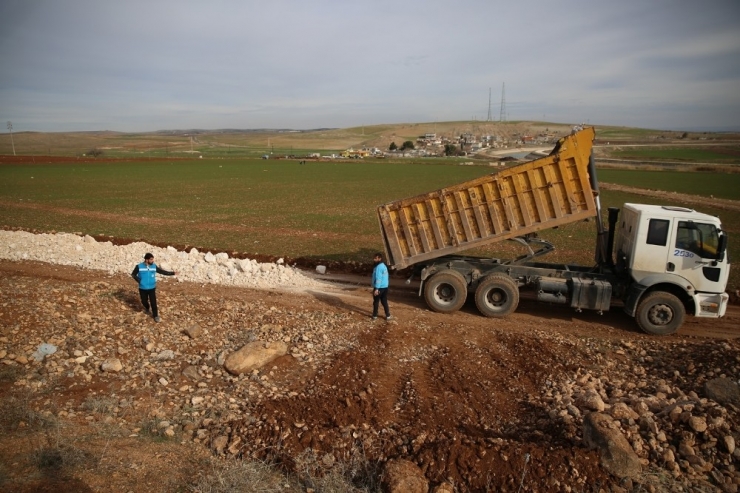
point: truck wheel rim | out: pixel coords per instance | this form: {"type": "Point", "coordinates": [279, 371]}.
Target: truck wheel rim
{"type": "Point", "coordinates": [496, 298]}
{"type": "Point", "coordinates": [660, 315]}
{"type": "Point", "coordinates": [445, 293]}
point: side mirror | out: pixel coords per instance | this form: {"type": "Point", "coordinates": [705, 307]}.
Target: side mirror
{"type": "Point", "coordinates": [722, 247]}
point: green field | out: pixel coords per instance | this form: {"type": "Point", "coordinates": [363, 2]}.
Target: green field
{"type": "Point", "coordinates": [718, 155]}
{"type": "Point", "coordinates": [720, 185]}
{"type": "Point", "coordinates": [262, 206]}
{"type": "Point", "coordinates": [319, 211]}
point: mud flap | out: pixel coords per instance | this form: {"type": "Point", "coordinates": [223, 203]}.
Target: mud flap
{"type": "Point", "coordinates": [633, 297]}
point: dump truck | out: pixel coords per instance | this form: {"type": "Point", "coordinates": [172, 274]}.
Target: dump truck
{"type": "Point", "coordinates": [659, 263]}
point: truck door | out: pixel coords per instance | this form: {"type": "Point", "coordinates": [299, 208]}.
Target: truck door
{"type": "Point", "coordinates": [694, 256]}
{"type": "Point", "coordinates": [651, 251]}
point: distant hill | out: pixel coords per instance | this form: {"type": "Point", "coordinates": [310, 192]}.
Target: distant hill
{"type": "Point", "coordinates": [255, 142]}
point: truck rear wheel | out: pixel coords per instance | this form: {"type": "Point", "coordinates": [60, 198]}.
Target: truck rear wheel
{"type": "Point", "coordinates": [445, 291]}
{"type": "Point", "coordinates": [497, 295]}
{"type": "Point", "coordinates": [660, 313]}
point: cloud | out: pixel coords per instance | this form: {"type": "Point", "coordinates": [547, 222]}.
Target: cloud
{"type": "Point", "coordinates": [137, 66]}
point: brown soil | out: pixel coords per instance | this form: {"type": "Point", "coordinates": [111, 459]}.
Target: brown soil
{"type": "Point", "coordinates": [459, 394]}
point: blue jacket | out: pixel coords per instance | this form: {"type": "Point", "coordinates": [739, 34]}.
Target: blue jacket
{"type": "Point", "coordinates": [380, 276]}
{"type": "Point", "coordinates": [145, 275]}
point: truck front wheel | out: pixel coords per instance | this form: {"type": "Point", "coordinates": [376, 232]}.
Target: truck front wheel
{"type": "Point", "coordinates": [497, 296]}
{"type": "Point", "coordinates": [445, 291]}
{"type": "Point", "coordinates": [660, 313]}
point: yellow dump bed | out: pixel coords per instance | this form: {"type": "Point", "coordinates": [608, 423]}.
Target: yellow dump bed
{"type": "Point", "coordinates": [533, 196]}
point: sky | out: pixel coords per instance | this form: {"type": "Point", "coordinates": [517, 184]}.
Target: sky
{"type": "Point", "coordinates": [137, 66]}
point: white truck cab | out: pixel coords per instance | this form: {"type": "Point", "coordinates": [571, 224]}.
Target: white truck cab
{"type": "Point", "coordinates": [678, 253]}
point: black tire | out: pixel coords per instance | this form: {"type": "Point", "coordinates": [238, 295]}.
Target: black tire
{"type": "Point", "coordinates": [497, 296]}
{"type": "Point", "coordinates": [660, 313]}
{"type": "Point", "coordinates": [445, 291]}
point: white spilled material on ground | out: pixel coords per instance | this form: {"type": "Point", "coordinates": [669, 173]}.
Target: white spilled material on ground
{"type": "Point", "coordinates": [193, 266]}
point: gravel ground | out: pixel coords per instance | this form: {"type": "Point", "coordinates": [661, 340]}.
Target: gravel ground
{"type": "Point", "coordinates": [479, 404]}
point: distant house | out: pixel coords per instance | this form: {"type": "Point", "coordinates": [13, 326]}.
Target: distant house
{"type": "Point", "coordinates": [355, 153]}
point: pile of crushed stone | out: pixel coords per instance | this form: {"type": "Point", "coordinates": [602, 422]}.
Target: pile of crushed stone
{"type": "Point", "coordinates": [193, 266]}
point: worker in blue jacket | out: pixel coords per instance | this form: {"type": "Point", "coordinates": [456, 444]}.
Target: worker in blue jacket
{"type": "Point", "coordinates": [380, 286]}
{"type": "Point", "coordinates": [145, 274]}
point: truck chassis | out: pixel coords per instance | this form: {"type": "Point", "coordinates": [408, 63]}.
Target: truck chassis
{"type": "Point", "coordinates": [498, 284]}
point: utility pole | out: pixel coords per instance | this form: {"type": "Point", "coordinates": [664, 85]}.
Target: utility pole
{"type": "Point", "coordinates": [488, 119]}
{"type": "Point", "coordinates": [502, 114]}
{"type": "Point", "coordinates": [10, 128]}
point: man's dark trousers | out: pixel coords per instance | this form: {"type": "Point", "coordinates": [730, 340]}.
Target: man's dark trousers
{"type": "Point", "coordinates": [149, 296]}
{"type": "Point", "coordinates": [382, 297]}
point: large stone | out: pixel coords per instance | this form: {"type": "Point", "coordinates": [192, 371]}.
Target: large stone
{"type": "Point", "coordinates": [729, 442]}
{"type": "Point", "coordinates": [193, 331]}
{"type": "Point", "coordinates": [621, 410]}
{"type": "Point", "coordinates": [245, 265]}
{"type": "Point", "coordinates": [686, 449]}
{"type": "Point", "coordinates": [592, 401]}
{"type": "Point", "coordinates": [723, 390]}
{"type": "Point", "coordinates": [698, 423]}
{"type": "Point", "coordinates": [444, 488]}
{"type": "Point", "coordinates": [219, 444]}
{"type": "Point", "coordinates": [165, 355]}
{"type": "Point", "coordinates": [111, 364]}
{"type": "Point", "coordinates": [254, 355]}
{"type": "Point", "coordinates": [191, 372]}
{"type": "Point", "coordinates": [403, 476]}
{"type": "Point", "coordinates": [601, 432]}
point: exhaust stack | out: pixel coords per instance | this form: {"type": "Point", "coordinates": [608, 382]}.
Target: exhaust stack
{"type": "Point", "coordinates": [601, 240]}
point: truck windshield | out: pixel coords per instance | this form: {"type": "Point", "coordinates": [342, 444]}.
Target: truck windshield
{"type": "Point", "coordinates": [698, 238]}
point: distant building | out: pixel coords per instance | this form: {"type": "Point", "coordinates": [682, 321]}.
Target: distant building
{"type": "Point", "coordinates": [355, 153]}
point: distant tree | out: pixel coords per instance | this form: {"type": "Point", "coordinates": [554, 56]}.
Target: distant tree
{"type": "Point", "coordinates": [392, 147]}
{"type": "Point", "coordinates": [95, 152]}
{"type": "Point", "coordinates": [684, 135]}
{"type": "Point", "coordinates": [450, 150]}
{"type": "Point", "coordinates": [407, 145]}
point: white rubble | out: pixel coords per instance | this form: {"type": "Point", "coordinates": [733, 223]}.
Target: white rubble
{"type": "Point", "coordinates": [193, 266]}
